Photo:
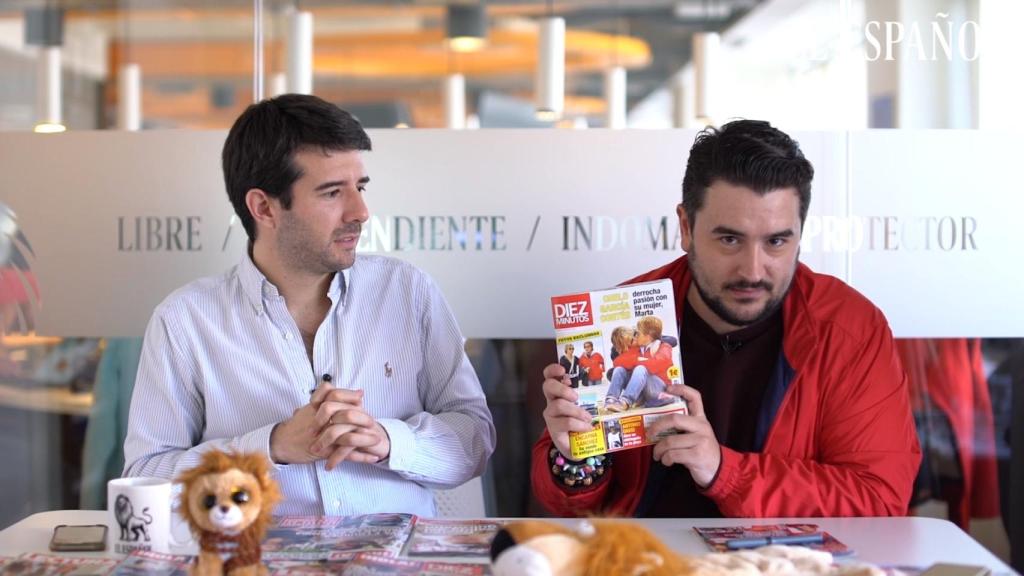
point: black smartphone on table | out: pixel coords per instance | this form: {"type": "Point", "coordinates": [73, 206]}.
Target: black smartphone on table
{"type": "Point", "coordinates": [79, 538]}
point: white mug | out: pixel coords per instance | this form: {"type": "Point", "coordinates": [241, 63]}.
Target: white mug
{"type": "Point", "coordinates": [139, 514]}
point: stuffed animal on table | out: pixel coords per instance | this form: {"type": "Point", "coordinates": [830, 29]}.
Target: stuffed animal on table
{"type": "Point", "coordinates": [227, 501]}
{"type": "Point", "coordinates": [594, 548]}
{"type": "Point", "coordinates": [609, 547]}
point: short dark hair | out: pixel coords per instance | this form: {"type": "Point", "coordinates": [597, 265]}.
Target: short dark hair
{"type": "Point", "coordinates": [747, 153]}
{"type": "Point", "coordinates": [260, 149]}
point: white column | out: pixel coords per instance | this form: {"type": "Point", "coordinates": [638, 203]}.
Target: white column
{"type": "Point", "coordinates": [615, 97]}
{"type": "Point", "coordinates": [300, 52]}
{"type": "Point", "coordinates": [705, 71]}
{"type": "Point", "coordinates": [1000, 91]}
{"type": "Point", "coordinates": [278, 84]}
{"type": "Point", "coordinates": [48, 95]}
{"type": "Point", "coordinates": [550, 81]}
{"type": "Point", "coordinates": [678, 86]}
{"type": "Point", "coordinates": [129, 97]}
{"type": "Point", "coordinates": [455, 101]}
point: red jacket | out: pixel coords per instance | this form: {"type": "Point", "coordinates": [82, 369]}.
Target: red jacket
{"type": "Point", "coordinates": [836, 433]}
{"type": "Point", "coordinates": [594, 365]}
{"type": "Point", "coordinates": [657, 364]}
{"type": "Point", "coordinates": [947, 374]}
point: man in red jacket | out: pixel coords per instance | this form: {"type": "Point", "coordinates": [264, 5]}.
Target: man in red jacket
{"type": "Point", "coordinates": [798, 403]}
{"type": "Point", "coordinates": [592, 365]}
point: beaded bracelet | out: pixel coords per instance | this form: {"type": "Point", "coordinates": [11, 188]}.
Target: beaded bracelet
{"type": "Point", "coordinates": [578, 473]}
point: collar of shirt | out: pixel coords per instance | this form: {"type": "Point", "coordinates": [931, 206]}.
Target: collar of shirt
{"type": "Point", "coordinates": [653, 346]}
{"type": "Point", "coordinates": [257, 287]}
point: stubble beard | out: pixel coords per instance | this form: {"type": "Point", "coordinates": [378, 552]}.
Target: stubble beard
{"type": "Point", "coordinates": [295, 247]}
{"type": "Point", "coordinates": [719, 307]}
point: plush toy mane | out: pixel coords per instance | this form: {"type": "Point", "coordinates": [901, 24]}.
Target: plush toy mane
{"type": "Point", "coordinates": [627, 548]}
{"type": "Point", "coordinates": [217, 462]}
{"type": "Point", "coordinates": [596, 548]}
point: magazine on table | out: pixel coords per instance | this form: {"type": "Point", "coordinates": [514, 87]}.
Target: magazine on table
{"type": "Point", "coordinates": [51, 565]}
{"type": "Point", "coordinates": [620, 351]}
{"type": "Point", "coordinates": [287, 567]}
{"type": "Point", "coordinates": [369, 564]}
{"type": "Point", "coordinates": [441, 537]}
{"type": "Point", "coordinates": [718, 537]}
{"type": "Point", "coordinates": [336, 537]}
{"type": "Point", "coordinates": [141, 562]}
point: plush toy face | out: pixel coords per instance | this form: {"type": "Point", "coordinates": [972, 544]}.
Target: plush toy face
{"type": "Point", "coordinates": [597, 548]}
{"type": "Point", "coordinates": [228, 493]}
{"type": "Point", "coordinates": [228, 502]}
{"type": "Point", "coordinates": [543, 555]}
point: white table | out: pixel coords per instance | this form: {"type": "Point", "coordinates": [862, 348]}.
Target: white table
{"type": "Point", "coordinates": [885, 541]}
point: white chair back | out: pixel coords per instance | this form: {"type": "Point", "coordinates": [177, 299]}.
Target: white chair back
{"type": "Point", "coordinates": [465, 501]}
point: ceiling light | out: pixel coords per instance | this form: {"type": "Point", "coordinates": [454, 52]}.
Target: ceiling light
{"type": "Point", "coordinates": [44, 27]}
{"type": "Point", "coordinates": [466, 27]}
{"type": "Point", "coordinates": [615, 97]}
{"type": "Point", "coordinates": [300, 53]}
{"type": "Point", "coordinates": [705, 71]}
{"type": "Point", "coordinates": [49, 128]}
{"type": "Point", "coordinates": [455, 101]}
{"type": "Point", "coordinates": [129, 97]}
{"type": "Point", "coordinates": [550, 81]}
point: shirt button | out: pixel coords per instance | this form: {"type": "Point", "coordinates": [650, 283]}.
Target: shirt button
{"type": "Point", "coordinates": [287, 335]}
{"type": "Point", "coordinates": [337, 503]}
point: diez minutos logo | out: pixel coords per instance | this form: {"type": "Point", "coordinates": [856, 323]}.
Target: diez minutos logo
{"type": "Point", "coordinates": [572, 311]}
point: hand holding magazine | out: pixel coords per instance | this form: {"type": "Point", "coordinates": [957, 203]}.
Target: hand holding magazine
{"type": "Point", "coordinates": [620, 351]}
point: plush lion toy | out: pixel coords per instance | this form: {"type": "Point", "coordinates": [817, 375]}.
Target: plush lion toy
{"type": "Point", "coordinates": [596, 548]}
{"type": "Point", "coordinates": [227, 501]}
{"type": "Point", "coordinates": [606, 548]}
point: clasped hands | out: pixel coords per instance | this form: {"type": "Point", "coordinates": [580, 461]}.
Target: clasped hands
{"type": "Point", "coordinates": [693, 446]}
{"type": "Point", "coordinates": [333, 426]}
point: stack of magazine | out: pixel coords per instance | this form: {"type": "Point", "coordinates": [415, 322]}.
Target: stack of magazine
{"type": "Point", "coordinates": [365, 545]}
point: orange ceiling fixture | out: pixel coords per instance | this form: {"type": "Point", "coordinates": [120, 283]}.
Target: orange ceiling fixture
{"type": "Point", "coordinates": [413, 54]}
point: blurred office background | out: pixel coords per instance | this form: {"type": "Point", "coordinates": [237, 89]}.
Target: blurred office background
{"type": "Point", "coordinates": [80, 65]}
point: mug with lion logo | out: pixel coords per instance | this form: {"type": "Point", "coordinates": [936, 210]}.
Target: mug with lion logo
{"type": "Point", "coordinates": [139, 514]}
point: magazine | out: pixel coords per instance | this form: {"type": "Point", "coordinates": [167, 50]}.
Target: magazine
{"type": "Point", "coordinates": [620, 351]}
{"type": "Point", "coordinates": [717, 537]}
{"type": "Point", "coordinates": [141, 562]}
{"type": "Point", "coordinates": [46, 565]}
{"type": "Point", "coordinates": [336, 537]}
{"type": "Point", "coordinates": [438, 537]}
{"type": "Point", "coordinates": [286, 567]}
{"type": "Point", "coordinates": [377, 565]}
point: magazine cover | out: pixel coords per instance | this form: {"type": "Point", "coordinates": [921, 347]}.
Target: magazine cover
{"type": "Point", "coordinates": [438, 537]}
{"type": "Point", "coordinates": [620, 350]}
{"type": "Point", "coordinates": [336, 537]}
{"type": "Point", "coordinates": [717, 537]}
{"type": "Point", "coordinates": [377, 565]}
{"type": "Point", "coordinates": [141, 562]}
{"type": "Point", "coordinates": [47, 565]}
{"type": "Point", "coordinates": [286, 567]}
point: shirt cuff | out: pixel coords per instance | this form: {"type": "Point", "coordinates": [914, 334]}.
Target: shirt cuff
{"type": "Point", "coordinates": [403, 444]}
{"type": "Point", "coordinates": [259, 441]}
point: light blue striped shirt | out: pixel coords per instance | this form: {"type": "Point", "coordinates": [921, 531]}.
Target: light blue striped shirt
{"type": "Point", "coordinates": [223, 362]}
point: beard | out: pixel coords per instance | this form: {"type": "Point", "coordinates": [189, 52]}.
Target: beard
{"type": "Point", "coordinates": [717, 305]}
{"type": "Point", "coordinates": [296, 243]}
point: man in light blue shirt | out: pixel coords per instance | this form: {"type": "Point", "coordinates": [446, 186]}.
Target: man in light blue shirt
{"type": "Point", "coordinates": [347, 371]}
